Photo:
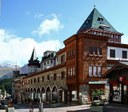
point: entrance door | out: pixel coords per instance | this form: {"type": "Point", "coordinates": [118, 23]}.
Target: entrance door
{"type": "Point", "coordinates": [125, 94]}
{"type": "Point", "coordinates": [117, 93]}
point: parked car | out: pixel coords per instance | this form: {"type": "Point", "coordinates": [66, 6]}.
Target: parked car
{"type": "Point", "coordinates": [3, 104]}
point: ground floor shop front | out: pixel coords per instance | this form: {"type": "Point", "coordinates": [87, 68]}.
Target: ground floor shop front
{"type": "Point", "coordinates": [118, 83]}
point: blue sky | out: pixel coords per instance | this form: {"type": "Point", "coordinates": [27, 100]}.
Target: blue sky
{"type": "Point", "coordinates": [45, 24]}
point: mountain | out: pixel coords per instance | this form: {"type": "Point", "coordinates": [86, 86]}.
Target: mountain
{"type": "Point", "coordinates": [6, 70]}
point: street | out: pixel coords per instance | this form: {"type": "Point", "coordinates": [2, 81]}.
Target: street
{"type": "Point", "coordinates": [77, 108]}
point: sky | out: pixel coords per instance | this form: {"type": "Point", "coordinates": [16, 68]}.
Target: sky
{"type": "Point", "coordinates": [45, 24]}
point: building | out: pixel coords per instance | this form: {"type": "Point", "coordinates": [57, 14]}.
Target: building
{"type": "Point", "coordinates": [33, 63]}
{"type": "Point", "coordinates": [49, 85]}
{"type": "Point", "coordinates": [48, 60]}
{"type": "Point", "coordinates": [75, 71]}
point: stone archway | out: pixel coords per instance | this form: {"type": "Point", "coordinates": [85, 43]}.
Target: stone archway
{"type": "Point", "coordinates": [48, 94]}
{"type": "Point", "coordinates": [38, 93]}
{"type": "Point", "coordinates": [54, 95]}
{"type": "Point", "coordinates": [43, 94]}
{"type": "Point", "coordinates": [31, 94]}
{"type": "Point", "coordinates": [34, 94]}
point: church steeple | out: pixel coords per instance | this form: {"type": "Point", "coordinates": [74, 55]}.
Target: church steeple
{"type": "Point", "coordinates": [33, 59]}
{"type": "Point", "coordinates": [33, 55]}
{"type": "Point", "coordinates": [97, 21]}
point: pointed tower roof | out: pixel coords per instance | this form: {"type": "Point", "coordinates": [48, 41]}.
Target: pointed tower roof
{"type": "Point", "coordinates": [33, 59]}
{"type": "Point", "coordinates": [33, 55]}
{"type": "Point", "coordinates": [96, 21]}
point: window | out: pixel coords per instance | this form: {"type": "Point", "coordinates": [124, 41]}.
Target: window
{"type": "Point", "coordinates": [62, 75]}
{"type": "Point", "coordinates": [42, 78]}
{"type": "Point", "coordinates": [55, 76]}
{"type": "Point", "coordinates": [90, 70]}
{"type": "Point", "coordinates": [99, 50]}
{"type": "Point", "coordinates": [38, 79]}
{"type": "Point", "coordinates": [62, 59]}
{"type": "Point", "coordinates": [34, 80]}
{"type": "Point", "coordinates": [31, 81]}
{"type": "Point", "coordinates": [94, 70]}
{"type": "Point", "coordinates": [99, 70]}
{"type": "Point", "coordinates": [95, 50]}
{"type": "Point", "coordinates": [73, 71]}
{"type": "Point", "coordinates": [91, 50]}
{"type": "Point", "coordinates": [112, 53]}
{"type": "Point", "coordinates": [124, 54]}
{"type": "Point", "coordinates": [100, 19]}
{"type": "Point", "coordinates": [48, 77]}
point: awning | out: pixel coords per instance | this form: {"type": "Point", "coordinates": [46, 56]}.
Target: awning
{"type": "Point", "coordinates": [97, 82]}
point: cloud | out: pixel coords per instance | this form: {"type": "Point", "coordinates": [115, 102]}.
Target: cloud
{"type": "Point", "coordinates": [38, 15]}
{"type": "Point", "coordinates": [17, 50]}
{"type": "Point", "coordinates": [125, 39]}
{"type": "Point", "coordinates": [48, 25]}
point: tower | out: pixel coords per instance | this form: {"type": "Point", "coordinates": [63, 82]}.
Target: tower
{"type": "Point", "coordinates": [33, 63]}
{"type": "Point", "coordinates": [96, 24]}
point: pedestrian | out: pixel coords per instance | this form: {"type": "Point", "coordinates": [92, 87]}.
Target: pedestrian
{"type": "Point", "coordinates": [31, 107]}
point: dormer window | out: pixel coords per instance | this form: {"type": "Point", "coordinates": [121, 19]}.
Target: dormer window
{"type": "Point", "coordinates": [100, 19]}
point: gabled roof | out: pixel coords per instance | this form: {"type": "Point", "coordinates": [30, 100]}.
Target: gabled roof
{"type": "Point", "coordinates": [96, 21]}
{"type": "Point", "coordinates": [119, 65]}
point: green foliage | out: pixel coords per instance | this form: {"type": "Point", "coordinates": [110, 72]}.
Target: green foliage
{"type": "Point", "coordinates": [6, 85]}
{"type": "Point", "coordinates": [97, 93]}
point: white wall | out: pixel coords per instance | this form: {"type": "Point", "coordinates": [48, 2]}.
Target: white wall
{"type": "Point", "coordinates": [118, 53]}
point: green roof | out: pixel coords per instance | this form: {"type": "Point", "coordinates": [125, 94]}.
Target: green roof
{"type": "Point", "coordinates": [97, 21]}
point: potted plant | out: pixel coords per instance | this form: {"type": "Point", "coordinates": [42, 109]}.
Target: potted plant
{"type": "Point", "coordinates": [97, 104]}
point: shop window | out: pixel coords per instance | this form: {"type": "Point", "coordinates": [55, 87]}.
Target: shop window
{"type": "Point", "coordinates": [112, 53]}
{"type": "Point", "coordinates": [117, 93]}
